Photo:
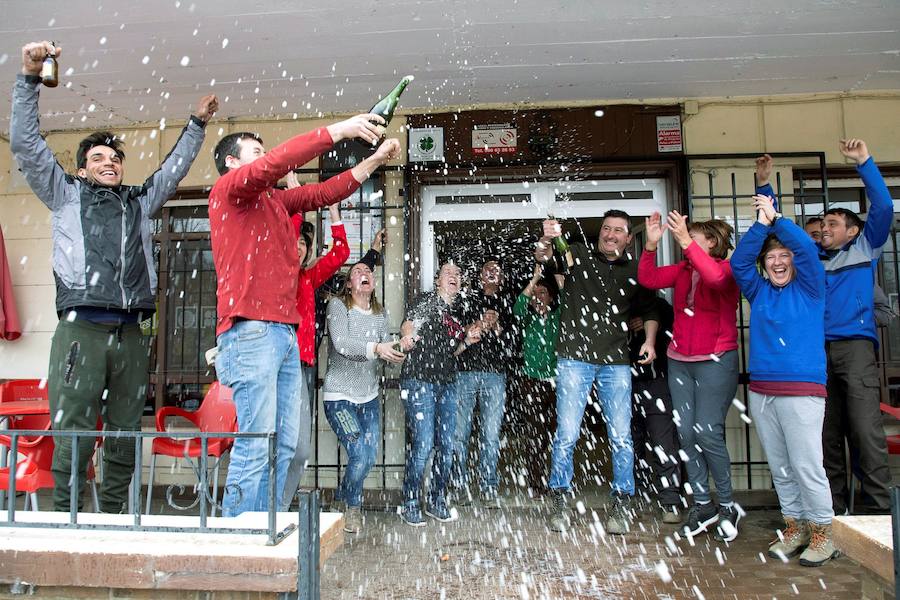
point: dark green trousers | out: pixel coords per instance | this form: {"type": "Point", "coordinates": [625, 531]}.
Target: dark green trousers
{"type": "Point", "coordinates": [97, 371]}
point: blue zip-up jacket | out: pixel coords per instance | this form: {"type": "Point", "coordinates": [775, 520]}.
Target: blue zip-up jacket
{"type": "Point", "coordinates": [850, 271]}
{"type": "Point", "coordinates": [787, 324]}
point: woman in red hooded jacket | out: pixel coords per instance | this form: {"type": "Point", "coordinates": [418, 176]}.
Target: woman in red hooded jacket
{"type": "Point", "coordinates": [703, 359]}
{"type": "Point", "coordinates": [313, 273]}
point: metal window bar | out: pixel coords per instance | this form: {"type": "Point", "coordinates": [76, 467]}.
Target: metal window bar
{"type": "Point", "coordinates": [713, 195]}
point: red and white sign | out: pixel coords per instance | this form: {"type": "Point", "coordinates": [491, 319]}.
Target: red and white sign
{"type": "Point", "coordinates": [494, 139]}
{"type": "Point", "coordinates": [668, 134]}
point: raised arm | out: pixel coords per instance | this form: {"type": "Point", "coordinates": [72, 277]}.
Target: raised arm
{"type": "Point", "coordinates": [329, 264]}
{"type": "Point", "coordinates": [881, 206]}
{"type": "Point", "coordinates": [318, 195]}
{"type": "Point", "coordinates": [764, 167]}
{"type": "Point", "coordinates": [45, 176]}
{"type": "Point", "coordinates": [160, 186]}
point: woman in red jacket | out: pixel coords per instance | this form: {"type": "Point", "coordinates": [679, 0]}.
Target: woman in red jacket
{"type": "Point", "coordinates": [703, 358]}
{"type": "Point", "coordinates": [313, 273]}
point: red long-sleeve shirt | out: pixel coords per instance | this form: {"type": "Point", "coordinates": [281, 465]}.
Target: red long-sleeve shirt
{"type": "Point", "coordinates": [254, 247]}
{"type": "Point", "coordinates": [709, 327]}
{"type": "Point", "coordinates": [310, 279]}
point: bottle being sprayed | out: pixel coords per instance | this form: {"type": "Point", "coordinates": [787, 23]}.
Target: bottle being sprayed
{"type": "Point", "coordinates": [384, 108]}
{"type": "Point", "coordinates": [50, 69]}
{"type": "Point", "coordinates": [562, 255]}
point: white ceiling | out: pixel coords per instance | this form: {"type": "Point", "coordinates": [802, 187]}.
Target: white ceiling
{"type": "Point", "coordinates": [140, 60]}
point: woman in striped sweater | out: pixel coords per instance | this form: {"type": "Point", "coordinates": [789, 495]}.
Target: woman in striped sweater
{"type": "Point", "coordinates": [358, 340]}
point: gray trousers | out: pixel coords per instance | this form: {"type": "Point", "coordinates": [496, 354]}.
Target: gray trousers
{"type": "Point", "coordinates": [701, 394]}
{"type": "Point", "coordinates": [789, 428]}
{"type": "Point", "coordinates": [304, 437]}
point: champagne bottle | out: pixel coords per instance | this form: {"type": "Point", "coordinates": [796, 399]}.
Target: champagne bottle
{"type": "Point", "coordinates": [562, 255]}
{"type": "Point", "coordinates": [50, 69]}
{"type": "Point", "coordinates": [384, 108]}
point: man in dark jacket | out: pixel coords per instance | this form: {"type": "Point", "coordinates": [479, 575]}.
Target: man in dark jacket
{"type": "Point", "coordinates": [105, 279]}
{"type": "Point", "coordinates": [600, 295]}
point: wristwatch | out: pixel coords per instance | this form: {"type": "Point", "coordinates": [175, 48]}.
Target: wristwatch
{"type": "Point", "coordinates": [777, 216]}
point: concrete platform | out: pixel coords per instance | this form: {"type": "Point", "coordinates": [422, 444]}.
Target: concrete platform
{"type": "Point", "coordinates": [869, 541]}
{"type": "Point", "coordinates": [86, 558]}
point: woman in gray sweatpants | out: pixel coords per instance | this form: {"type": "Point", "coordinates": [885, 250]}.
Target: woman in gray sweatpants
{"type": "Point", "coordinates": [788, 376]}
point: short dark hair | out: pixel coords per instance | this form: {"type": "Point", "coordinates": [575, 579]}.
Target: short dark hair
{"type": "Point", "coordinates": [812, 220]}
{"type": "Point", "coordinates": [230, 145]}
{"type": "Point", "coordinates": [615, 213]}
{"type": "Point", "coordinates": [850, 218]}
{"type": "Point", "coordinates": [548, 282]}
{"type": "Point", "coordinates": [99, 138]}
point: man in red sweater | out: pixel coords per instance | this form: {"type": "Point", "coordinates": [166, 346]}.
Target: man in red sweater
{"type": "Point", "coordinates": [255, 255]}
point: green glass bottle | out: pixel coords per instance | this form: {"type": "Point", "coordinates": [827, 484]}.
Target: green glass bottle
{"type": "Point", "coordinates": [563, 256]}
{"type": "Point", "coordinates": [384, 108]}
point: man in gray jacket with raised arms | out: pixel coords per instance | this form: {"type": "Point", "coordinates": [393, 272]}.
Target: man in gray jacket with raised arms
{"type": "Point", "coordinates": [105, 279]}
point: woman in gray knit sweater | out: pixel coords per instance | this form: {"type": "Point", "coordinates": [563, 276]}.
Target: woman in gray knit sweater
{"type": "Point", "coordinates": [358, 339]}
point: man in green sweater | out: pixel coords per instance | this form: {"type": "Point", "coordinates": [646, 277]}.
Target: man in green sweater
{"type": "Point", "coordinates": [599, 296]}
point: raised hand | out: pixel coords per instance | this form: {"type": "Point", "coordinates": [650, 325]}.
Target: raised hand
{"type": "Point", "coordinates": [360, 126]}
{"type": "Point", "coordinates": [552, 229]}
{"type": "Point", "coordinates": [765, 209]}
{"type": "Point", "coordinates": [207, 107]}
{"type": "Point", "coordinates": [855, 149]}
{"type": "Point", "coordinates": [654, 228]}
{"type": "Point", "coordinates": [387, 151]}
{"type": "Point", "coordinates": [292, 180]}
{"type": "Point", "coordinates": [678, 224]}
{"type": "Point", "coordinates": [33, 56]}
{"type": "Point", "coordinates": [379, 239]}
{"type": "Point", "coordinates": [764, 166]}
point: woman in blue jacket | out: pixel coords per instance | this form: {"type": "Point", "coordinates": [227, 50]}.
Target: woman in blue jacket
{"type": "Point", "coordinates": [787, 375]}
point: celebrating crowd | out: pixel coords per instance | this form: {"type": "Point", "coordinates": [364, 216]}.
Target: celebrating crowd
{"type": "Point", "coordinates": [588, 325]}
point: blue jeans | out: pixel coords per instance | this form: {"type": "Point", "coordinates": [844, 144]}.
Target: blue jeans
{"type": "Point", "coordinates": [358, 427]}
{"type": "Point", "coordinates": [260, 362]}
{"type": "Point", "coordinates": [490, 390]}
{"type": "Point", "coordinates": [573, 388]}
{"type": "Point", "coordinates": [303, 452]}
{"type": "Point", "coordinates": [430, 425]}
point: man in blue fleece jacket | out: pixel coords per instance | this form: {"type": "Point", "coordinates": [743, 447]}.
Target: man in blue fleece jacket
{"type": "Point", "coordinates": [849, 250]}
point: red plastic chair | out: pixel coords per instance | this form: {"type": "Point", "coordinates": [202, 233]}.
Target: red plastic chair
{"type": "Point", "coordinates": [23, 390]}
{"type": "Point", "coordinates": [216, 414]}
{"type": "Point", "coordinates": [34, 472]}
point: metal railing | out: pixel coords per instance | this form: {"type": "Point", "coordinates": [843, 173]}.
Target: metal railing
{"type": "Point", "coordinates": [307, 527]}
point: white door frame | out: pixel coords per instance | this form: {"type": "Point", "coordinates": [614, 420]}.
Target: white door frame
{"type": "Point", "coordinates": [543, 202]}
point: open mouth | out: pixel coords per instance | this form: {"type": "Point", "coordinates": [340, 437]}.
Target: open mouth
{"type": "Point", "coordinates": [364, 281]}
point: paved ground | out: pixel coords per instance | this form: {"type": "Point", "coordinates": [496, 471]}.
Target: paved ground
{"type": "Point", "coordinates": [510, 554]}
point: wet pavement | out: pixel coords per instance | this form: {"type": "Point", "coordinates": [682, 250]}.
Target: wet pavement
{"type": "Point", "coordinates": [510, 553]}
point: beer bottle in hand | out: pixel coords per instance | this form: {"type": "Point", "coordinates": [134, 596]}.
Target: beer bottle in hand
{"type": "Point", "coordinates": [562, 255]}
{"type": "Point", "coordinates": [384, 108]}
{"type": "Point", "coordinates": [50, 69]}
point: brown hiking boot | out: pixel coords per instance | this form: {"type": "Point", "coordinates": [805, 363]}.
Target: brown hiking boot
{"type": "Point", "coordinates": [791, 541]}
{"type": "Point", "coordinates": [821, 546]}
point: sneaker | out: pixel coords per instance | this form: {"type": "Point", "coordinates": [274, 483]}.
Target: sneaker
{"type": "Point", "coordinates": [560, 518]}
{"type": "Point", "coordinates": [462, 496]}
{"type": "Point", "coordinates": [491, 499]}
{"type": "Point", "coordinates": [670, 515]}
{"type": "Point", "coordinates": [726, 529]}
{"type": "Point", "coordinates": [619, 515]}
{"type": "Point", "coordinates": [411, 514]}
{"type": "Point", "coordinates": [791, 540]}
{"type": "Point", "coordinates": [438, 510]}
{"type": "Point", "coordinates": [353, 520]}
{"type": "Point", "coordinates": [821, 546]}
{"type": "Point", "coordinates": [699, 518]}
